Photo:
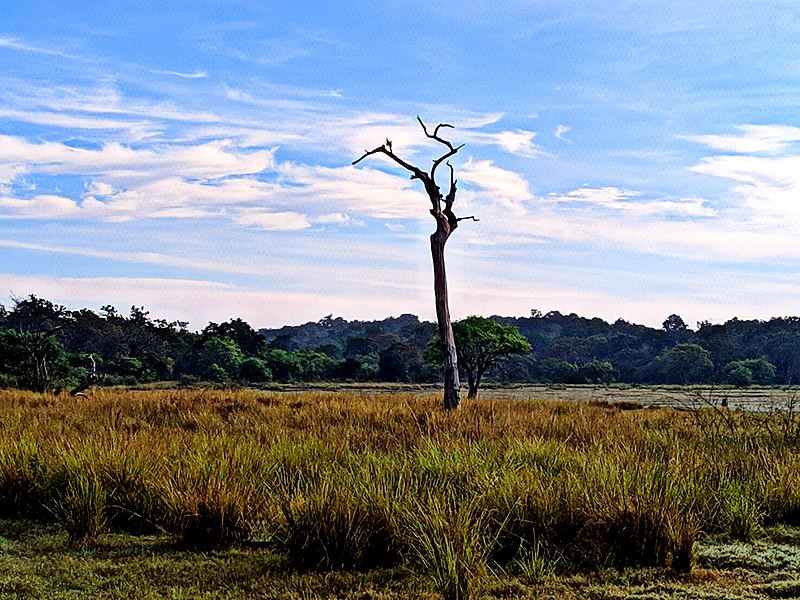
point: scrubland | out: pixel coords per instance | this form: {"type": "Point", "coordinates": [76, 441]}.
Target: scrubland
{"type": "Point", "coordinates": [268, 494]}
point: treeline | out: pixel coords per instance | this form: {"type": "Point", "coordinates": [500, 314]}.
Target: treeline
{"type": "Point", "coordinates": [46, 346]}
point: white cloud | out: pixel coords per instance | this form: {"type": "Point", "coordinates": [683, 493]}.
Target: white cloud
{"type": "Point", "coordinates": [496, 184]}
{"type": "Point", "coordinates": [149, 258]}
{"type": "Point", "coordinates": [194, 75]}
{"type": "Point", "coordinates": [334, 219]}
{"type": "Point", "coordinates": [782, 172]}
{"type": "Point", "coordinates": [626, 200]}
{"type": "Point", "coordinates": [16, 44]}
{"type": "Point", "coordinates": [769, 139]}
{"type": "Point", "coordinates": [38, 207]}
{"type": "Point", "coordinates": [100, 188]}
{"type": "Point", "coordinates": [362, 191]}
{"type": "Point", "coordinates": [125, 164]}
{"type": "Point", "coordinates": [769, 187]}
{"type": "Point", "coordinates": [271, 221]}
{"type": "Point", "coordinates": [135, 130]}
{"type": "Point", "coordinates": [519, 142]}
{"type": "Point", "coordinates": [561, 131]}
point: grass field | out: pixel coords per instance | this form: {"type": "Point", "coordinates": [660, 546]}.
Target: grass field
{"type": "Point", "coordinates": [365, 493]}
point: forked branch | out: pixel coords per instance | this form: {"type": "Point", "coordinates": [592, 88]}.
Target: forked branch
{"type": "Point", "coordinates": [429, 179]}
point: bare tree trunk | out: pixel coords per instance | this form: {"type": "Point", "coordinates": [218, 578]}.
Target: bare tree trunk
{"type": "Point", "coordinates": [474, 381]}
{"type": "Point", "coordinates": [446, 223]}
{"type": "Point", "coordinates": [452, 384]}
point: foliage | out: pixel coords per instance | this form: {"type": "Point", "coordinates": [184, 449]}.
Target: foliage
{"type": "Point", "coordinates": [46, 346]}
{"type": "Point", "coordinates": [34, 360]}
{"type": "Point", "coordinates": [401, 361]}
{"type": "Point", "coordinates": [481, 344]}
{"type": "Point", "coordinates": [682, 364]}
{"type": "Point", "coordinates": [284, 365]}
{"type": "Point", "coordinates": [743, 373]}
{"type": "Point", "coordinates": [254, 370]}
{"type": "Point", "coordinates": [674, 323]}
{"type": "Point", "coordinates": [594, 371]}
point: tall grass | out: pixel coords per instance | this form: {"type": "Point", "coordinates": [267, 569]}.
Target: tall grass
{"type": "Point", "coordinates": [355, 481]}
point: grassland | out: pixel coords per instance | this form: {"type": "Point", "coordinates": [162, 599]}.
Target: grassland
{"type": "Point", "coordinates": [378, 494]}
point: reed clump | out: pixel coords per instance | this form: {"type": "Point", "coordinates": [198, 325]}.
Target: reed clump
{"type": "Point", "coordinates": [356, 480]}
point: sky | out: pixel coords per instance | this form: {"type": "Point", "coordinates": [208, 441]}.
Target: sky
{"type": "Point", "coordinates": [625, 159]}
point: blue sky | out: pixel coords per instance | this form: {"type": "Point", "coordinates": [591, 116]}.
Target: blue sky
{"type": "Point", "coordinates": [625, 159]}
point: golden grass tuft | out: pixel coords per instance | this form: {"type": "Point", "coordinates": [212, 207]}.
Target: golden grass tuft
{"type": "Point", "coordinates": [356, 479]}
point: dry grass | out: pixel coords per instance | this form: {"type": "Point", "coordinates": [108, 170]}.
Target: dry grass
{"type": "Point", "coordinates": [364, 480]}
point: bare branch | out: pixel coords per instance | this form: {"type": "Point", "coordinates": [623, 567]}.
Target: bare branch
{"type": "Point", "coordinates": [416, 173]}
{"type": "Point", "coordinates": [446, 223]}
{"type": "Point", "coordinates": [439, 160]}
{"type": "Point", "coordinates": [439, 126]}
{"type": "Point", "coordinates": [470, 218]}
{"type": "Point", "coordinates": [435, 134]}
{"type": "Point", "coordinates": [451, 195]}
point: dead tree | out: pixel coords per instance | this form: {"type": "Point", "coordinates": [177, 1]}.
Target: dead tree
{"type": "Point", "coordinates": [90, 379]}
{"type": "Point", "coordinates": [446, 223]}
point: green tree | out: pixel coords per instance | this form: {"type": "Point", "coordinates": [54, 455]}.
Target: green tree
{"type": "Point", "coordinates": [284, 365]}
{"type": "Point", "coordinates": [684, 364]}
{"type": "Point", "coordinates": [598, 371]}
{"type": "Point", "coordinates": [736, 373]}
{"type": "Point", "coordinates": [250, 342]}
{"type": "Point", "coordinates": [764, 372]}
{"type": "Point", "coordinates": [743, 373]}
{"type": "Point", "coordinates": [674, 323]}
{"type": "Point", "coordinates": [221, 352]}
{"type": "Point", "coordinates": [400, 362]}
{"type": "Point", "coordinates": [34, 360]}
{"type": "Point", "coordinates": [253, 370]}
{"type": "Point", "coordinates": [481, 344]}
{"type": "Point", "coordinates": [560, 371]}
{"type": "Point", "coordinates": [315, 366]}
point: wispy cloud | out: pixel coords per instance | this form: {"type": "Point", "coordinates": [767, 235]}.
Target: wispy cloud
{"type": "Point", "coordinates": [363, 191]}
{"type": "Point", "coordinates": [38, 207]}
{"type": "Point", "coordinates": [768, 139]}
{"type": "Point", "coordinates": [193, 75]}
{"type": "Point", "coordinates": [22, 46]}
{"type": "Point", "coordinates": [519, 142]}
{"type": "Point", "coordinates": [630, 201]}
{"type": "Point", "coordinates": [127, 164]}
{"type": "Point", "coordinates": [561, 131]}
{"type": "Point", "coordinates": [149, 258]}
{"type": "Point", "coordinates": [271, 221]}
{"type": "Point", "coordinates": [496, 184]}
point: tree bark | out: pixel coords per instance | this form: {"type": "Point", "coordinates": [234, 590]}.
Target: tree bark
{"type": "Point", "coordinates": [452, 384]}
{"type": "Point", "coordinates": [446, 223]}
{"type": "Point", "coordinates": [473, 386]}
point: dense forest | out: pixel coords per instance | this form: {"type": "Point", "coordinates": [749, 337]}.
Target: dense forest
{"type": "Point", "coordinates": [44, 346]}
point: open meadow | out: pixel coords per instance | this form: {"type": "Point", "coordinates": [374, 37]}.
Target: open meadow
{"type": "Point", "coordinates": [366, 493]}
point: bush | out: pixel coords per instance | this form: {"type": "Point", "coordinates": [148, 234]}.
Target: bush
{"type": "Point", "coordinates": [254, 370]}
{"type": "Point", "coordinates": [81, 509]}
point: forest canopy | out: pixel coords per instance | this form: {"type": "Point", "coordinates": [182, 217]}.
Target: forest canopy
{"type": "Point", "coordinates": [45, 346]}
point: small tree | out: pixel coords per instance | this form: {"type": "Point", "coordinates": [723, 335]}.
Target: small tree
{"type": "Point", "coordinates": [482, 343]}
{"type": "Point", "coordinates": [223, 354]}
{"type": "Point", "coordinates": [446, 223]}
{"type": "Point", "coordinates": [743, 373]}
{"type": "Point", "coordinates": [400, 362]}
{"type": "Point", "coordinates": [684, 364]}
{"type": "Point", "coordinates": [674, 323]}
{"type": "Point", "coordinates": [598, 371]}
{"type": "Point", "coordinates": [34, 361]}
